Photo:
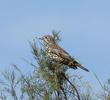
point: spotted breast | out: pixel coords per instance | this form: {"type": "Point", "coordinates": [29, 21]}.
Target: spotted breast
{"type": "Point", "coordinates": [52, 55]}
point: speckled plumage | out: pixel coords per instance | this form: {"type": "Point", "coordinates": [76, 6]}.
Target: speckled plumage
{"type": "Point", "coordinates": [52, 55]}
{"type": "Point", "coordinates": [56, 53]}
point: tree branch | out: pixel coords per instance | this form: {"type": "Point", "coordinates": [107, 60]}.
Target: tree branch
{"type": "Point", "coordinates": [73, 87]}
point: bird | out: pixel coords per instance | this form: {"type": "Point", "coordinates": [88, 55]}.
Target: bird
{"type": "Point", "coordinates": [56, 53]}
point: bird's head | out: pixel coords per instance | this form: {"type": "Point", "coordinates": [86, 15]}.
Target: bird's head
{"type": "Point", "coordinates": [47, 38]}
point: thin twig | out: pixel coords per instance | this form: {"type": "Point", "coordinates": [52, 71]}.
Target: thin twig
{"type": "Point", "coordinates": [35, 67]}
{"type": "Point", "coordinates": [40, 41]}
{"type": "Point", "coordinates": [99, 82]}
{"type": "Point", "coordinates": [58, 95]}
{"type": "Point", "coordinates": [73, 87]}
{"type": "Point", "coordinates": [64, 93]}
{"type": "Point", "coordinates": [97, 79]}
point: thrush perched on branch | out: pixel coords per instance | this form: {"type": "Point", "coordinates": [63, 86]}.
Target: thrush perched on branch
{"type": "Point", "coordinates": [56, 53]}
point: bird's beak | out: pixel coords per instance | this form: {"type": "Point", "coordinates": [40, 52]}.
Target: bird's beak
{"type": "Point", "coordinates": [41, 38]}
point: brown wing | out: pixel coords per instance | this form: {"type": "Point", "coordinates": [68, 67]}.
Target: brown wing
{"type": "Point", "coordinates": [60, 52]}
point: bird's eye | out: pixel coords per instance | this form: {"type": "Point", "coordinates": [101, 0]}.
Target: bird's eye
{"type": "Point", "coordinates": [46, 37]}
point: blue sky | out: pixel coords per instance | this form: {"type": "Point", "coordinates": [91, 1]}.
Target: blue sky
{"type": "Point", "coordinates": [85, 26]}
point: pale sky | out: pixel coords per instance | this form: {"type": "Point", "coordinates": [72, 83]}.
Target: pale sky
{"type": "Point", "coordinates": [85, 26]}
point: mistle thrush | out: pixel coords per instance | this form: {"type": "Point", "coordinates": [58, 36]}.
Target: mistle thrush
{"type": "Point", "coordinates": [56, 53]}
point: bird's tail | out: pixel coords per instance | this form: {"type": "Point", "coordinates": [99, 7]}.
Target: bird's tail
{"type": "Point", "coordinates": [75, 64]}
{"type": "Point", "coordinates": [83, 68]}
